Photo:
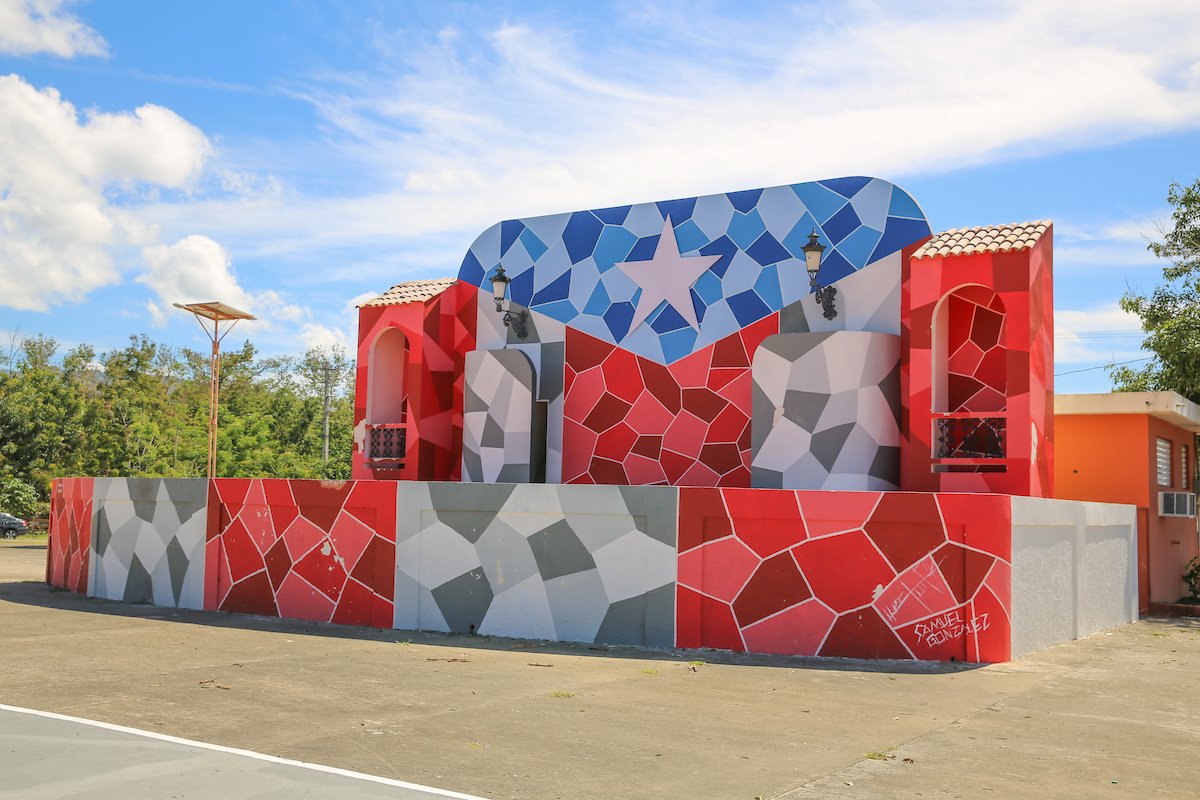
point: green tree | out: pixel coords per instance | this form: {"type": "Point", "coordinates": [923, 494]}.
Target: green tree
{"type": "Point", "coordinates": [1171, 313]}
{"type": "Point", "coordinates": [20, 499]}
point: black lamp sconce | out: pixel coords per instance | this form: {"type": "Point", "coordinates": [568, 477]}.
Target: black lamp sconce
{"type": "Point", "coordinates": [512, 319]}
{"type": "Point", "coordinates": [812, 260]}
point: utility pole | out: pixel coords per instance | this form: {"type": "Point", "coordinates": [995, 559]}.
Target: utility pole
{"type": "Point", "coordinates": [327, 371]}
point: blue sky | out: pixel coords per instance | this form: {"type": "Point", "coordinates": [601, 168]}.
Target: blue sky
{"type": "Point", "coordinates": [293, 157]}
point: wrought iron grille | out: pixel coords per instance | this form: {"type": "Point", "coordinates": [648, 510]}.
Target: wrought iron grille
{"type": "Point", "coordinates": [970, 437]}
{"type": "Point", "coordinates": [387, 442]}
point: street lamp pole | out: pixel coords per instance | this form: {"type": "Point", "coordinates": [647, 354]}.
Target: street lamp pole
{"type": "Point", "coordinates": [216, 313]}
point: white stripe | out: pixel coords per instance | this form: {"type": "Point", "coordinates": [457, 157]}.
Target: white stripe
{"type": "Point", "coordinates": [162, 737]}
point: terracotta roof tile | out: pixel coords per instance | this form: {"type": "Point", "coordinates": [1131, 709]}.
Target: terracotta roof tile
{"type": "Point", "coordinates": [411, 292]}
{"type": "Point", "coordinates": [987, 239]}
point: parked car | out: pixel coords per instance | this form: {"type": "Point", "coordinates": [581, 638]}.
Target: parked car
{"type": "Point", "coordinates": [11, 527]}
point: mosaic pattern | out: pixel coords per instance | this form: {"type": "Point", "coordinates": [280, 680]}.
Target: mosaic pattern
{"type": "Point", "coordinates": [1022, 283]}
{"type": "Point", "coordinates": [976, 371]}
{"type": "Point", "coordinates": [565, 266]}
{"type": "Point", "coordinates": [631, 421]}
{"type": "Point", "coordinates": [545, 347]}
{"type": "Point", "coordinates": [312, 550]}
{"type": "Point", "coordinates": [148, 545]}
{"type": "Point", "coordinates": [868, 300]}
{"type": "Point", "coordinates": [567, 563]}
{"type": "Point", "coordinates": [70, 534]}
{"type": "Point", "coordinates": [440, 331]}
{"type": "Point", "coordinates": [826, 411]}
{"type": "Point", "coordinates": [498, 418]}
{"type": "Point", "coordinates": [853, 574]}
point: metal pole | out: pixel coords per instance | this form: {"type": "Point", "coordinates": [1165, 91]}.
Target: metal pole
{"type": "Point", "coordinates": [213, 397]}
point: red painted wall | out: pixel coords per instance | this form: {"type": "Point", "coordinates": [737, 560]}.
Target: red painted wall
{"type": "Point", "coordinates": [855, 574]}
{"type": "Point", "coordinates": [314, 550]}
{"type": "Point", "coordinates": [440, 332]}
{"type": "Point", "coordinates": [67, 553]}
{"type": "Point", "coordinates": [1022, 282]}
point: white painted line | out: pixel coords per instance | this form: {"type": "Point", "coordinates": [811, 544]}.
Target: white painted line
{"type": "Point", "coordinates": [162, 737]}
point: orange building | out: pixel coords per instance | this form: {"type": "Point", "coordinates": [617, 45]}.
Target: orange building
{"type": "Point", "coordinates": [1137, 448]}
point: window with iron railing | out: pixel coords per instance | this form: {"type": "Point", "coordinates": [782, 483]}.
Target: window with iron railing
{"type": "Point", "coordinates": [388, 441]}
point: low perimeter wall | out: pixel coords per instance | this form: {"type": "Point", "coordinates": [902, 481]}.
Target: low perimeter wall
{"type": "Point", "coordinates": [952, 577]}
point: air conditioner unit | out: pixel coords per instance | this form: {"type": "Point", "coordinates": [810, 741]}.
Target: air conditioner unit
{"type": "Point", "coordinates": [1176, 504]}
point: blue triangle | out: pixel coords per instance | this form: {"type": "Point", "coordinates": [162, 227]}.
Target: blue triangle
{"type": "Point", "coordinates": [678, 210]}
{"type": "Point", "coordinates": [903, 205]}
{"type": "Point", "coordinates": [612, 216]}
{"type": "Point", "coordinates": [557, 289]}
{"type": "Point", "coordinates": [898, 234]}
{"type": "Point", "coordinates": [744, 201]}
{"type": "Point", "coordinates": [471, 270]}
{"type": "Point", "coordinates": [510, 229]}
{"type": "Point", "coordinates": [846, 187]}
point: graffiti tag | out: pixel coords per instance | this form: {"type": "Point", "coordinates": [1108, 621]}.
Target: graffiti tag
{"type": "Point", "coordinates": [950, 625]}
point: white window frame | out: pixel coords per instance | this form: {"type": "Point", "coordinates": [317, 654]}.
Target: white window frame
{"type": "Point", "coordinates": [1164, 461]}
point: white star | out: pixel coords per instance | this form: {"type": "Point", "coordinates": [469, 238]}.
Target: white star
{"type": "Point", "coordinates": [668, 276]}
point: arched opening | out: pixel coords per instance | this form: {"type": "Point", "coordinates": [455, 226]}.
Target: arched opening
{"type": "Point", "coordinates": [970, 377]}
{"type": "Point", "coordinates": [387, 403]}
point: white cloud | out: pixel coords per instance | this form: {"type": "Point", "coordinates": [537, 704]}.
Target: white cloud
{"type": "Point", "coordinates": [1102, 334]}
{"type": "Point", "coordinates": [196, 269]}
{"type": "Point", "coordinates": [28, 27]}
{"type": "Point", "coordinates": [322, 337]}
{"type": "Point", "coordinates": [524, 119]}
{"type": "Point", "coordinates": [58, 223]}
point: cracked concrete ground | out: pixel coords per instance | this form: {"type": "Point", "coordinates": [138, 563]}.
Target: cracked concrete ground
{"type": "Point", "coordinates": [1116, 715]}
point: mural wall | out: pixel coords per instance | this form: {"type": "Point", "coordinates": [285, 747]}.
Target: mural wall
{"type": "Point", "coordinates": [438, 327]}
{"type": "Point", "coordinates": [67, 554]}
{"type": "Point", "coordinates": [312, 550]}
{"type": "Point", "coordinates": [645, 318]}
{"type": "Point", "coordinates": [498, 440]}
{"type": "Point", "coordinates": [570, 563]}
{"type": "Point", "coordinates": [856, 574]}
{"type": "Point", "coordinates": [148, 545]}
{"type": "Point", "coordinates": [826, 411]}
{"type": "Point", "coordinates": [851, 574]}
{"type": "Point", "coordinates": [978, 355]}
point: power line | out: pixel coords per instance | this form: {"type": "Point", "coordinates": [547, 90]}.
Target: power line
{"type": "Point", "coordinates": [1102, 366]}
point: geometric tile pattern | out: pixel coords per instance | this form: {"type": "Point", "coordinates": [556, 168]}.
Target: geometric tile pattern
{"type": "Point", "coordinates": [70, 534]}
{"type": "Point", "coordinates": [826, 411]}
{"type": "Point", "coordinates": [977, 359]}
{"type": "Point", "coordinates": [1008, 323]}
{"type": "Point", "coordinates": [148, 545]}
{"type": "Point", "coordinates": [498, 417]}
{"type": "Point", "coordinates": [311, 550]}
{"type": "Point", "coordinates": [564, 265]}
{"type": "Point", "coordinates": [567, 563]}
{"type": "Point", "coordinates": [632, 421]}
{"type": "Point", "coordinates": [852, 574]}
{"type": "Point", "coordinates": [439, 331]}
{"type": "Point", "coordinates": [545, 346]}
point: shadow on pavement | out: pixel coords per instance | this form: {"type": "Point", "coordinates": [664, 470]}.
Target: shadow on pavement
{"type": "Point", "coordinates": [38, 594]}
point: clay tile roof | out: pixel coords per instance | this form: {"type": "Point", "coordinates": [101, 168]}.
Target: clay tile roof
{"type": "Point", "coordinates": [987, 239]}
{"type": "Point", "coordinates": [411, 292]}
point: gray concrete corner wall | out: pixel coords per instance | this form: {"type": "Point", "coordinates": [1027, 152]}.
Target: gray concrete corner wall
{"type": "Point", "coordinates": [1074, 570]}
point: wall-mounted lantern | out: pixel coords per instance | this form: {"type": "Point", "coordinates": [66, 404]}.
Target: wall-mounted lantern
{"type": "Point", "coordinates": [512, 319]}
{"type": "Point", "coordinates": [812, 260]}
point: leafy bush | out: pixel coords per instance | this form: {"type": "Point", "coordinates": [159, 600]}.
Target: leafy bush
{"type": "Point", "coordinates": [19, 498]}
{"type": "Point", "coordinates": [1191, 576]}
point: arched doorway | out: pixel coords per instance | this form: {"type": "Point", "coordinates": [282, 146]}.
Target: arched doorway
{"type": "Point", "coordinates": [387, 402]}
{"type": "Point", "coordinates": [970, 380]}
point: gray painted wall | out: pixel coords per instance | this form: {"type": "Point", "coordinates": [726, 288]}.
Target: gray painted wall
{"type": "Point", "coordinates": [148, 541]}
{"type": "Point", "coordinates": [569, 563]}
{"type": "Point", "coordinates": [1074, 570]}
